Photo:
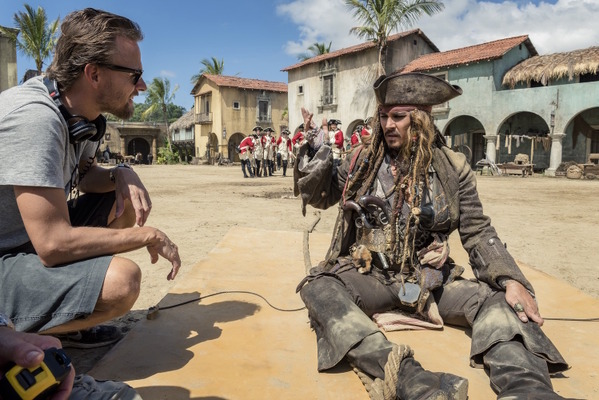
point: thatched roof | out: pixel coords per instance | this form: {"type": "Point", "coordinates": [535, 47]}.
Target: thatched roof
{"type": "Point", "coordinates": [359, 48]}
{"type": "Point", "coordinates": [468, 55]}
{"type": "Point", "coordinates": [184, 122]}
{"type": "Point", "coordinates": [555, 66]}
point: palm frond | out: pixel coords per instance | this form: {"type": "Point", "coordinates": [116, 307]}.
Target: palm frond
{"type": "Point", "coordinates": [37, 37]}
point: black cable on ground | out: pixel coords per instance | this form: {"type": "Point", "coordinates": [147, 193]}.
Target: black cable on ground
{"type": "Point", "coordinates": [571, 319]}
{"type": "Point", "coordinates": [156, 308]}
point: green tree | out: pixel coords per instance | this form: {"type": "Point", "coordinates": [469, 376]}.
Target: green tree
{"type": "Point", "coordinates": [210, 66]}
{"type": "Point", "coordinates": [381, 17]}
{"type": "Point", "coordinates": [159, 96]}
{"type": "Point", "coordinates": [314, 50]}
{"type": "Point", "coordinates": [38, 37]}
{"type": "Point", "coordinates": [173, 111]}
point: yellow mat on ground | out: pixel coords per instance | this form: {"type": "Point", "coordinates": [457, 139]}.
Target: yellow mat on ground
{"type": "Point", "coordinates": [235, 346]}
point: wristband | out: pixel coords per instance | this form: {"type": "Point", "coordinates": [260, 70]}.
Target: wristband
{"type": "Point", "coordinates": [111, 173]}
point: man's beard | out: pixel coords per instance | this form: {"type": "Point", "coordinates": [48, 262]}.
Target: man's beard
{"type": "Point", "coordinates": [124, 112]}
{"type": "Point", "coordinates": [399, 150]}
{"type": "Point", "coordinates": [108, 104]}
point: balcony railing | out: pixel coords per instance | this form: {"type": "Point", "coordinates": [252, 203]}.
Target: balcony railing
{"type": "Point", "coordinates": [264, 118]}
{"type": "Point", "coordinates": [204, 118]}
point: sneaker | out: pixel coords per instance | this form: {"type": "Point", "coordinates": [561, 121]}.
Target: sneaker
{"type": "Point", "coordinates": [98, 336]}
{"type": "Point", "coordinates": [86, 387]}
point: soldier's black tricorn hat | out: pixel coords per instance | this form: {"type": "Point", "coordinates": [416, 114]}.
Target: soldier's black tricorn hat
{"type": "Point", "coordinates": [301, 126]}
{"type": "Point", "coordinates": [269, 129]}
{"type": "Point", "coordinates": [414, 88]}
{"type": "Point", "coordinates": [257, 129]}
{"type": "Point", "coordinates": [334, 121]}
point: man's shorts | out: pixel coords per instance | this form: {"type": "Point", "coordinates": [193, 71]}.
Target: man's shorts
{"type": "Point", "coordinates": [37, 298]}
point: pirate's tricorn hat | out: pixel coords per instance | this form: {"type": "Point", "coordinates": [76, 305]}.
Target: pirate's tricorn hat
{"type": "Point", "coordinates": [414, 88]}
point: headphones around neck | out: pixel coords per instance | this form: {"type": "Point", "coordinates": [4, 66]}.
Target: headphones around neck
{"type": "Point", "coordinates": [82, 129]}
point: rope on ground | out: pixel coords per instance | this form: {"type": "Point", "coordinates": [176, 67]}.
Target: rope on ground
{"type": "Point", "coordinates": [307, 262]}
{"type": "Point", "coordinates": [379, 389]}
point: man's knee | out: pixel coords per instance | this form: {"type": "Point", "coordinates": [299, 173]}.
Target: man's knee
{"type": "Point", "coordinates": [121, 285]}
{"type": "Point", "coordinates": [127, 218]}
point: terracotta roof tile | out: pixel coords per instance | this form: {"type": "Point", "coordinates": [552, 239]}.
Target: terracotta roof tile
{"type": "Point", "coordinates": [471, 54]}
{"type": "Point", "coordinates": [244, 83]}
{"type": "Point", "coordinates": [359, 48]}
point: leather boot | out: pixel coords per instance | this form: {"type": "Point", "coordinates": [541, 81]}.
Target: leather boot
{"type": "Point", "coordinates": [518, 374]}
{"type": "Point", "coordinates": [416, 383]}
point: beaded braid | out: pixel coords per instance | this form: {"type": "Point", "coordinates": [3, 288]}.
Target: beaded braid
{"type": "Point", "coordinates": [422, 133]}
{"type": "Point", "coordinates": [410, 182]}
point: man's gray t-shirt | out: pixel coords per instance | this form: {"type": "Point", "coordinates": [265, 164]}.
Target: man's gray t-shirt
{"type": "Point", "coordinates": [34, 151]}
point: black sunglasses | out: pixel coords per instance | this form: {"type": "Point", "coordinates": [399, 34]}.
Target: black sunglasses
{"type": "Point", "coordinates": [136, 73]}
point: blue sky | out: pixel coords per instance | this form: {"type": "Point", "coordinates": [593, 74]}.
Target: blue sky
{"type": "Point", "coordinates": [256, 39]}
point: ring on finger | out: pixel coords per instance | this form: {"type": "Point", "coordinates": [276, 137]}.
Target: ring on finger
{"type": "Point", "coordinates": [518, 308]}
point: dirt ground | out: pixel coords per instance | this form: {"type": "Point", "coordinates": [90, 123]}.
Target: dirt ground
{"type": "Point", "coordinates": [548, 223]}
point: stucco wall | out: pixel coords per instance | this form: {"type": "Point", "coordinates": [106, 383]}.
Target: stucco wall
{"type": "Point", "coordinates": [245, 119]}
{"type": "Point", "coordinates": [8, 63]}
{"type": "Point", "coordinates": [229, 121]}
{"type": "Point", "coordinates": [525, 108]}
{"type": "Point", "coordinates": [203, 131]}
{"type": "Point", "coordinates": [354, 75]}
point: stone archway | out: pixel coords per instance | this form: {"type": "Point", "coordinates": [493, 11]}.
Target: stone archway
{"type": "Point", "coordinates": [524, 133]}
{"type": "Point", "coordinates": [138, 145]}
{"type": "Point", "coordinates": [119, 135]}
{"type": "Point", "coordinates": [234, 141]}
{"type": "Point", "coordinates": [582, 136]}
{"type": "Point", "coordinates": [466, 135]}
{"type": "Point", "coordinates": [351, 128]}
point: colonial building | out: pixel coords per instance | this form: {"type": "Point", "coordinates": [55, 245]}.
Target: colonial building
{"type": "Point", "coordinates": [518, 102]}
{"type": "Point", "coordinates": [8, 62]}
{"type": "Point", "coordinates": [338, 84]}
{"type": "Point", "coordinates": [227, 108]}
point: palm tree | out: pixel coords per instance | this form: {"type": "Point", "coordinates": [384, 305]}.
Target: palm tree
{"type": "Point", "coordinates": [212, 67]}
{"type": "Point", "coordinates": [315, 49]}
{"type": "Point", "coordinates": [381, 17]}
{"type": "Point", "coordinates": [159, 96]}
{"type": "Point", "coordinates": [38, 37]}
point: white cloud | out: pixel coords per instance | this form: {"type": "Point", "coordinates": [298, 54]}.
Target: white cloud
{"type": "Point", "coordinates": [563, 26]}
{"type": "Point", "coordinates": [167, 74]}
{"type": "Point", "coordinates": [555, 26]}
{"type": "Point", "coordinates": [319, 21]}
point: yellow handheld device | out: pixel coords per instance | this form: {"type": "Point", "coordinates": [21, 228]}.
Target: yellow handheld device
{"type": "Point", "coordinates": [36, 383]}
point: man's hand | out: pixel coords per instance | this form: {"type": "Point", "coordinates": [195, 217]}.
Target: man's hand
{"type": "Point", "coordinates": [129, 186]}
{"type": "Point", "coordinates": [307, 116]}
{"type": "Point", "coordinates": [313, 135]}
{"type": "Point", "coordinates": [162, 246]}
{"type": "Point", "coordinates": [520, 299]}
{"type": "Point", "coordinates": [27, 350]}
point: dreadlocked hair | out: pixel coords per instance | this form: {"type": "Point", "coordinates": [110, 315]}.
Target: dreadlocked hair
{"type": "Point", "coordinates": [414, 161]}
{"type": "Point", "coordinates": [422, 133]}
{"type": "Point", "coordinates": [371, 159]}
